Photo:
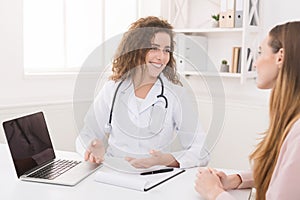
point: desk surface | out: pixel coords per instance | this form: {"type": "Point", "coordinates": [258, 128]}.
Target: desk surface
{"type": "Point", "coordinates": [180, 187]}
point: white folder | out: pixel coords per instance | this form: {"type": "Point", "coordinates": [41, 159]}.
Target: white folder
{"type": "Point", "coordinates": [223, 13]}
{"type": "Point", "coordinates": [227, 13]}
{"type": "Point", "coordinates": [238, 21]}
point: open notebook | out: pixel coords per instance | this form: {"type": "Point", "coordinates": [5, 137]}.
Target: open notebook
{"type": "Point", "coordinates": [119, 173]}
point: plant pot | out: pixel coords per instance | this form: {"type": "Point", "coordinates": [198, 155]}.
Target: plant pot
{"type": "Point", "coordinates": [224, 68]}
{"type": "Point", "coordinates": [215, 24]}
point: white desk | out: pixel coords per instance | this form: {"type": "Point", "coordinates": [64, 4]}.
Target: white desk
{"type": "Point", "coordinates": [181, 187]}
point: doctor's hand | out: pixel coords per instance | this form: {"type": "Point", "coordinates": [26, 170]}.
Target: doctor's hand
{"type": "Point", "coordinates": [156, 158]}
{"type": "Point", "coordinates": [208, 184]}
{"type": "Point", "coordinates": [95, 152]}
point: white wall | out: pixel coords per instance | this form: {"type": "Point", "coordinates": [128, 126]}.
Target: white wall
{"type": "Point", "coordinates": [276, 12]}
{"type": "Point", "coordinates": [246, 107]}
{"type": "Point", "coordinates": [58, 117]}
{"type": "Point", "coordinates": [246, 114]}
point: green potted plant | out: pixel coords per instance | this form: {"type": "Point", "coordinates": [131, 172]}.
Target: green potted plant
{"type": "Point", "coordinates": [224, 66]}
{"type": "Point", "coordinates": [216, 18]}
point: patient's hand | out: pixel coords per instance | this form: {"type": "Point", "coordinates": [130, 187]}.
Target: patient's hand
{"type": "Point", "coordinates": [229, 182]}
{"type": "Point", "coordinates": [208, 183]}
{"type": "Point", "coordinates": [156, 158]}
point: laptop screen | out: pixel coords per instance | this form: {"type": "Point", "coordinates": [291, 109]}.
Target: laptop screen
{"type": "Point", "coordinates": [29, 142]}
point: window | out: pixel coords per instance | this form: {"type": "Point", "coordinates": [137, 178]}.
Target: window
{"type": "Point", "coordinates": [60, 34]}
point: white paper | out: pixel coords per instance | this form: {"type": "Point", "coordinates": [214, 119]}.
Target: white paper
{"type": "Point", "coordinates": [121, 179]}
{"type": "Point", "coordinates": [132, 181]}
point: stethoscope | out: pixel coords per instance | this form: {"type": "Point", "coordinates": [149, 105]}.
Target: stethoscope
{"type": "Point", "coordinates": [108, 126]}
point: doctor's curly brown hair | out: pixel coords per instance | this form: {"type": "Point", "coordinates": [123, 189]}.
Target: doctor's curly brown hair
{"type": "Point", "coordinates": [136, 43]}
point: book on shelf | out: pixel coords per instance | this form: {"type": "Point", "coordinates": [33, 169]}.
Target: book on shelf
{"type": "Point", "coordinates": [239, 70]}
{"type": "Point", "coordinates": [236, 60]}
{"type": "Point", "coordinates": [250, 60]}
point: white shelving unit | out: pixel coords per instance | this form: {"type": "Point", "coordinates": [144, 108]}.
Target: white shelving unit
{"type": "Point", "coordinates": [219, 42]}
{"type": "Point", "coordinates": [208, 31]}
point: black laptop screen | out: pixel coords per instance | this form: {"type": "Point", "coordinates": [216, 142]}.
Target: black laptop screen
{"type": "Point", "coordinates": [29, 142]}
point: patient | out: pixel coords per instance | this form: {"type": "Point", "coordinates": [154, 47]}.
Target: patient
{"type": "Point", "coordinates": [276, 160]}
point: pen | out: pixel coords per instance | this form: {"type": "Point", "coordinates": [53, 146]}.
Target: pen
{"type": "Point", "coordinates": [157, 171]}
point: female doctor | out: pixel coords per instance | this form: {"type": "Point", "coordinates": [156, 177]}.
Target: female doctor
{"type": "Point", "coordinates": [143, 108]}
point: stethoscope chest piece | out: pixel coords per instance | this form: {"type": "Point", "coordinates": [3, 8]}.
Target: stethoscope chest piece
{"type": "Point", "coordinates": [107, 128]}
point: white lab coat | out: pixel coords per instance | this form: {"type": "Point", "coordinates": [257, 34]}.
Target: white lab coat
{"type": "Point", "coordinates": [130, 123]}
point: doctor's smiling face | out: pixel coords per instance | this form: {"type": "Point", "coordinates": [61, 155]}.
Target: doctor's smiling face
{"type": "Point", "coordinates": [145, 51]}
{"type": "Point", "coordinates": [159, 55]}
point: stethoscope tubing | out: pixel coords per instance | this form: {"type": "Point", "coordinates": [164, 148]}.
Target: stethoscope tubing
{"type": "Point", "coordinates": [161, 95]}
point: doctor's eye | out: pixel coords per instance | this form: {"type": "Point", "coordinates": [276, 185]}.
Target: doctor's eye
{"type": "Point", "coordinates": [154, 48]}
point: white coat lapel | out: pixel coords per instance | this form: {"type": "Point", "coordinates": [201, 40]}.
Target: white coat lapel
{"type": "Point", "coordinates": [127, 98]}
{"type": "Point", "coordinates": [151, 98]}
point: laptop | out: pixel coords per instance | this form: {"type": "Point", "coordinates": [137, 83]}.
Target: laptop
{"type": "Point", "coordinates": [34, 157]}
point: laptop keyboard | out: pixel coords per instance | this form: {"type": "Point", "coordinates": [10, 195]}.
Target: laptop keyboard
{"type": "Point", "coordinates": [54, 169]}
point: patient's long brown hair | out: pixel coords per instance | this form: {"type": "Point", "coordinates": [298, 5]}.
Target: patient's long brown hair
{"type": "Point", "coordinates": [284, 105]}
{"type": "Point", "coordinates": [136, 43]}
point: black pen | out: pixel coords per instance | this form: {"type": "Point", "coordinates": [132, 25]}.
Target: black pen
{"type": "Point", "coordinates": [157, 171]}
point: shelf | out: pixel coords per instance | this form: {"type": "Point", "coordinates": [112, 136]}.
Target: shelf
{"type": "Point", "coordinates": [217, 42]}
{"type": "Point", "coordinates": [249, 75]}
{"type": "Point", "coordinates": [207, 31]}
{"type": "Point", "coordinates": [221, 74]}
{"type": "Point", "coordinates": [252, 74]}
